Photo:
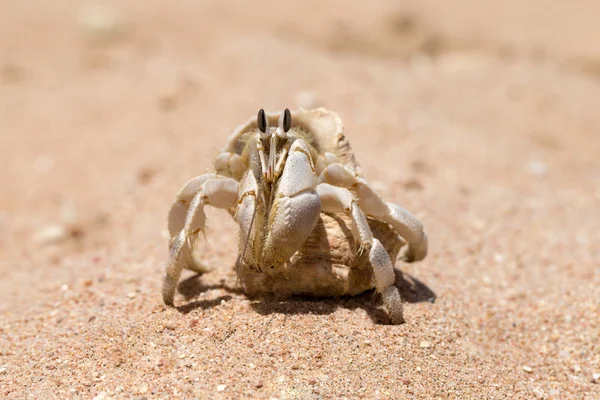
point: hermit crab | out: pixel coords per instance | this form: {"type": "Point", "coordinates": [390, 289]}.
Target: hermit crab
{"type": "Point", "coordinates": [309, 223]}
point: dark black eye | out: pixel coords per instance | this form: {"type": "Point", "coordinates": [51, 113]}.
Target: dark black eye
{"type": "Point", "coordinates": [287, 120]}
{"type": "Point", "coordinates": [261, 120]}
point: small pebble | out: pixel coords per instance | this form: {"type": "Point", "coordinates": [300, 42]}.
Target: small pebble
{"type": "Point", "coordinates": [2, 370]}
{"type": "Point", "coordinates": [478, 224]}
{"type": "Point", "coordinates": [50, 234]}
{"type": "Point", "coordinates": [145, 175]}
{"type": "Point", "coordinates": [131, 295]}
{"type": "Point", "coordinates": [101, 24]}
{"type": "Point", "coordinates": [68, 215]}
{"type": "Point", "coordinates": [527, 369]}
{"type": "Point", "coordinates": [221, 388]}
{"type": "Point", "coordinates": [596, 377]}
{"type": "Point", "coordinates": [170, 326]}
{"type": "Point", "coordinates": [425, 344]}
{"type": "Point", "coordinates": [12, 73]}
{"type": "Point", "coordinates": [102, 396]}
{"type": "Point", "coordinates": [564, 354]}
{"type": "Point", "coordinates": [413, 184]}
{"type": "Point", "coordinates": [537, 168]}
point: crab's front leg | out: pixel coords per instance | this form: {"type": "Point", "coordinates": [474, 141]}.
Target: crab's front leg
{"type": "Point", "coordinates": [204, 190]}
{"type": "Point", "coordinates": [230, 164]}
{"type": "Point", "coordinates": [296, 207]}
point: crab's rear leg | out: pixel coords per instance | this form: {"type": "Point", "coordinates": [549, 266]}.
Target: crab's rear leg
{"type": "Point", "coordinates": [209, 190]}
{"type": "Point", "coordinates": [337, 199]}
{"type": "Point", "coordinates": [406, 224]}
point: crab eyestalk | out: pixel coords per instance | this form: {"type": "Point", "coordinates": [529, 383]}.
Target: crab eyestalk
{"type": "Point", "coordinates": [270, 165]}
{"type": "Point", "coordinates": [284, 124]}
{"type": "Point", "coordinates": [263, 126]}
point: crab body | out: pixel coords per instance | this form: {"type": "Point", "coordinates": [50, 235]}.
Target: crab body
{"type": "Point", "coordinates": [308, 221]}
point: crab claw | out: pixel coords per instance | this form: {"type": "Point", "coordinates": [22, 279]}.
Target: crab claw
{"type": "Point", "coordinates": [292, 220]}
{"type": "Point", "coordinates": [296, 209]}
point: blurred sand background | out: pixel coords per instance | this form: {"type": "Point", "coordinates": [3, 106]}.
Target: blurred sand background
{"type": "Point", "coordinates": [481, 117]}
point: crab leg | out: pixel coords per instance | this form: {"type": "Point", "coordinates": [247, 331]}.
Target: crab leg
{"type": "Point", "coordinates": [406, 224]}
{"type": "Point", "coordinates": [217, 192]}
{"type": "Point", "coordinates": [337, 199]}
{"type": "Point", "coordinates": [180, 206]}
{"type": "Point", "coordinates": [230, 165]}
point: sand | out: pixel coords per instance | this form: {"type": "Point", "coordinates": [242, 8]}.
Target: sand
{"type": "Point", "coordinates": [480, 117]}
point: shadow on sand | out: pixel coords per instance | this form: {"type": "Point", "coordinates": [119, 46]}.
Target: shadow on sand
{"type": "Point", "coordinates": [411, 289]}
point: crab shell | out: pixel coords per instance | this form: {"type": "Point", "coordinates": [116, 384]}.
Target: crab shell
{"type": "Point", "coordinates": [328, 264]}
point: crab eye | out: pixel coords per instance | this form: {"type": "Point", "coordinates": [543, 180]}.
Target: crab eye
{"type": "Point", "coordinates": [287, 120]}
{"type": "Point", "coordinates": [261, 120]}
{"type": "Point", "coordinates": [284, 124]}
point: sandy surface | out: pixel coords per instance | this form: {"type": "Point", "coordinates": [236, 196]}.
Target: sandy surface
{"type": "Point", "coordinates": [481, 118]}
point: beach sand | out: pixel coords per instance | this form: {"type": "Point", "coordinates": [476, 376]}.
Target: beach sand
{"type": "Point", "coordinates": [481, 118]}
